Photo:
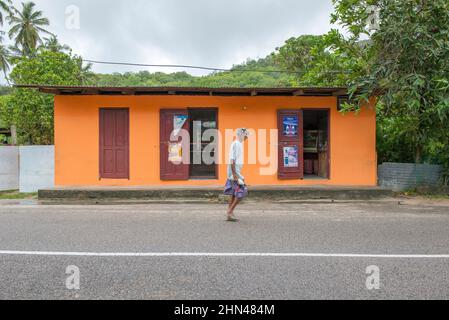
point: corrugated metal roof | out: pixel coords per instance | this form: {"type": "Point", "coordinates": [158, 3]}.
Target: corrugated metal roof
{"type": "Point", "coordinates": [200, 91]}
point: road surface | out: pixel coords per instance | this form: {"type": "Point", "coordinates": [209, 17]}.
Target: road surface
{"type": "Point", "coordinates": [188, 251]}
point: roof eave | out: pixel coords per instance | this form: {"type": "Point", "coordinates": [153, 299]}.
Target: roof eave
{"type": "Point", "coordinates": [88, 90]}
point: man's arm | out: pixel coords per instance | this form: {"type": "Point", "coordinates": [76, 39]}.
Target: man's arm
{"type": "Point", "coordinates": [234, 162]}
{"type": "Point", "coordinates": [234, 171]}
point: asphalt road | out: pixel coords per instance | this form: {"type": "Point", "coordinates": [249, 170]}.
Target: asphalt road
{"type": "Point", "coordinates": [277, 251]}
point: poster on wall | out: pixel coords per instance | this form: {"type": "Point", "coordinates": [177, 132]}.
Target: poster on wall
{"type": "Point", "coordinates": [178, 123]}
{"type": "Point", "coordinates": [290, 125]}
{"type": "Point", "coordinates": [175, 152]}
{"type": "Point", "coordinates": [291, 159]}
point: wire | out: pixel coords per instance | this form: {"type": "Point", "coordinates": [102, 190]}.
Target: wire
{"type": "Point", "coordinates": [199, 67]}
{"type": "Point", "coordinates": [154, 65]}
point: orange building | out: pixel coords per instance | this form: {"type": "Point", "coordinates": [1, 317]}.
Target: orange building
{"type": "Point", "coordinates": [124, 136]}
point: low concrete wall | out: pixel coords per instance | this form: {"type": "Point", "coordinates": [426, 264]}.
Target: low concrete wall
{"type": "Point", "coordinates": [36, 168]}
{"type": "Point", "coordinates": [9, 168]}
{"type": "Point", "coordinates": [105, 195]}
{"type": "Point", "coordinates": [403, 176]}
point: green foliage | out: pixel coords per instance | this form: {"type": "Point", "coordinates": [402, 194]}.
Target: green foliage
{"type": "Point", "coordinates": [436, 151]}
{"type": "Point", "coordinates": [406, 63]}
{"type": "Point", "coordinates": [16, 195]}
{"type": "Point", "coordinates": [393, 144]}
{"type": "Point", "coordinates": [29, 110]}
{"type": "Point", "coordinates": [4, 8]}
{"type": "Point", "coordinates": [311, 60]}
{"type": "Point", "coordinates": [237, 78]}
{"type": "Point", "coordinates": [5, 90]}
{"type": "Point", "coordinates": [26, 27]}
{"type": "Point", "coordinates": [4, 59]}
{"type": "Point", "coordinates": [4, 139]}
{"type": "Point", "coordinates": [52, 44]}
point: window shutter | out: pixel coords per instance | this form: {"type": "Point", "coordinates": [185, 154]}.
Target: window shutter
{"type": "Point", "coordinates": [169, 149]}
{"type": "Point", "coordinates": [114, 143]}
{"type": "Point", "coordinates": [291, 144]}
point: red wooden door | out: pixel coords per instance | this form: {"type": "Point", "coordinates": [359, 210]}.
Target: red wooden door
{"type": "Point", "coordinates": [291, 144]}
{"type": "Point", "coordinates": [114, 143]}
{"type": "Point", "coordinates": [173, 144]}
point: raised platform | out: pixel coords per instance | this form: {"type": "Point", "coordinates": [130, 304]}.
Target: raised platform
{"type": "Point", "coordinates": [275, 193]}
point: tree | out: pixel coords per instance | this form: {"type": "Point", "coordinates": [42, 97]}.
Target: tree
{"type": "Point", "coordinates": [406, 63]}
{"type": "Point", "coordinates": [300, 56]}
{"type": "Point", "coordinates": [4, 60]}
{"type": "Point", "coordinates": [4, 7]}
{"type": "Point", "coordinates": [4, 53]}
{"type": "Point", "coordinates": [26, 27]}
{"type": "Point", "coordinates": [52, 44]}
{"type": "Point", "coordinates": [30, 111]}
{"type": "Point", "coordinates": [86, 76]}
{"type": "Point", "coordinates": [313, 62]}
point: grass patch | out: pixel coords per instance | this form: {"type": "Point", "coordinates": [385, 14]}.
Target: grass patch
{"type": "Point", "coordinates": [16, 195]}
{"type": "Point", "coordinates": [435, 193]}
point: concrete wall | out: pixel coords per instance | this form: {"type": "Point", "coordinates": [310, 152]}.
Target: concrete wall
{"type": "Point", "coordinates": [36, 168]}
{"type": "Point", "coordinates": [403, 176]}
{"type": "Point", "coordinates": [9, 168]}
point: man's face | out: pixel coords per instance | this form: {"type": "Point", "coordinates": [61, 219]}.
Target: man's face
{"type": "Point", "coordinates": [242, 138]}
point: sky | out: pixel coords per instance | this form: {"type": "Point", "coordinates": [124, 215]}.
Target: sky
{"type": "Point", "coordinates": [212, 33]}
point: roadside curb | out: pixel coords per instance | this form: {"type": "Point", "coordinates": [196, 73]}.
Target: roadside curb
{"type": "Point", "coordinates": [209, 201]}
{"type": "Point", "coordinates": [282, 194]}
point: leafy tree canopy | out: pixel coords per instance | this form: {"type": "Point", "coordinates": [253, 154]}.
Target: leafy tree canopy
{"type": "Point", "coordinates": [405, 62]}
{"type": "Point", "coordinates": [29, 110]}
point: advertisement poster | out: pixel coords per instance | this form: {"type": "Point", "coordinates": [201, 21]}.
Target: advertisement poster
{"type": "Point", "coordinates": [178, 123]}
{"type": "Point", "coordinates": [175, 152]}
{"type": "Point", "coordinates": [290, 125]}
{"type": "Point", "coordinates": [291, 157]}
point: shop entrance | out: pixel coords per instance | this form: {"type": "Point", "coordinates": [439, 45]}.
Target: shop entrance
{"type": "Point", "coordinates": [194, 157]}
{"type": "Point", "coordinates": [316, 144]}
{"type": "Point", "coordinates": [203, 154]}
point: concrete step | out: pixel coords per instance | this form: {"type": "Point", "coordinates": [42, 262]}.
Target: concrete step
{"type": "Point", "coordinates": [270, 193]}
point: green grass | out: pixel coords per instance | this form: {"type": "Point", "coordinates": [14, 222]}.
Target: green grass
{"type": "Point", "coordinates": [439, 193]}
{"type": "Point", "coordinates": [16, 195]}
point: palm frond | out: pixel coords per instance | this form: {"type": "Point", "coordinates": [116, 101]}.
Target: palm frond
{"type": "Point", "coordinates": [26, 27]}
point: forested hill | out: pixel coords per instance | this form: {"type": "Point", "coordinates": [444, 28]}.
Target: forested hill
{"type": "Point", "coordinates": [303, 61]}
{"type": "Point", "coordinates": [243, 75]}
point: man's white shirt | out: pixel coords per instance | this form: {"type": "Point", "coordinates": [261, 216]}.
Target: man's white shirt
{"type": "Point", "coordinates": [236, 154]}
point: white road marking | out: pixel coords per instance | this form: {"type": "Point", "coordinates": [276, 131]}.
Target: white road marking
{"type": "Point", "coordinates": [210, 254]}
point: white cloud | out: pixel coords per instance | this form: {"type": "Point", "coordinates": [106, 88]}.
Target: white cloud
{"type": "Point", "coordinates": [216, 33]}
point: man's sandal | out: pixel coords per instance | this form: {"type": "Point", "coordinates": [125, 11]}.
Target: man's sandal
{"type": "Point", "coordinates": [232, 219]}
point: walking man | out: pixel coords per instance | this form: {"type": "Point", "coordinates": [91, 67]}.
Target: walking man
{"type": "Point", "coordinates": [235, 185]}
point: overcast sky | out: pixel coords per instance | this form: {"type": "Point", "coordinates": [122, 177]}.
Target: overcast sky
{"type": "Point", "coordinates": [215, 33]}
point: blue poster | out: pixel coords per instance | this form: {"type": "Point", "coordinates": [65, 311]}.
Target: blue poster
{"type": "Point", "coordinates": [178, 123]}
{"type": "Point", "coordinates": [290, 125]}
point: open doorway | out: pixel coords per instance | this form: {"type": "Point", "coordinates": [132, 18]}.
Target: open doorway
{"type": "Point", "coordinates": [202, 120]}
{"type": "Point", "coordinates": [316, 144]}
